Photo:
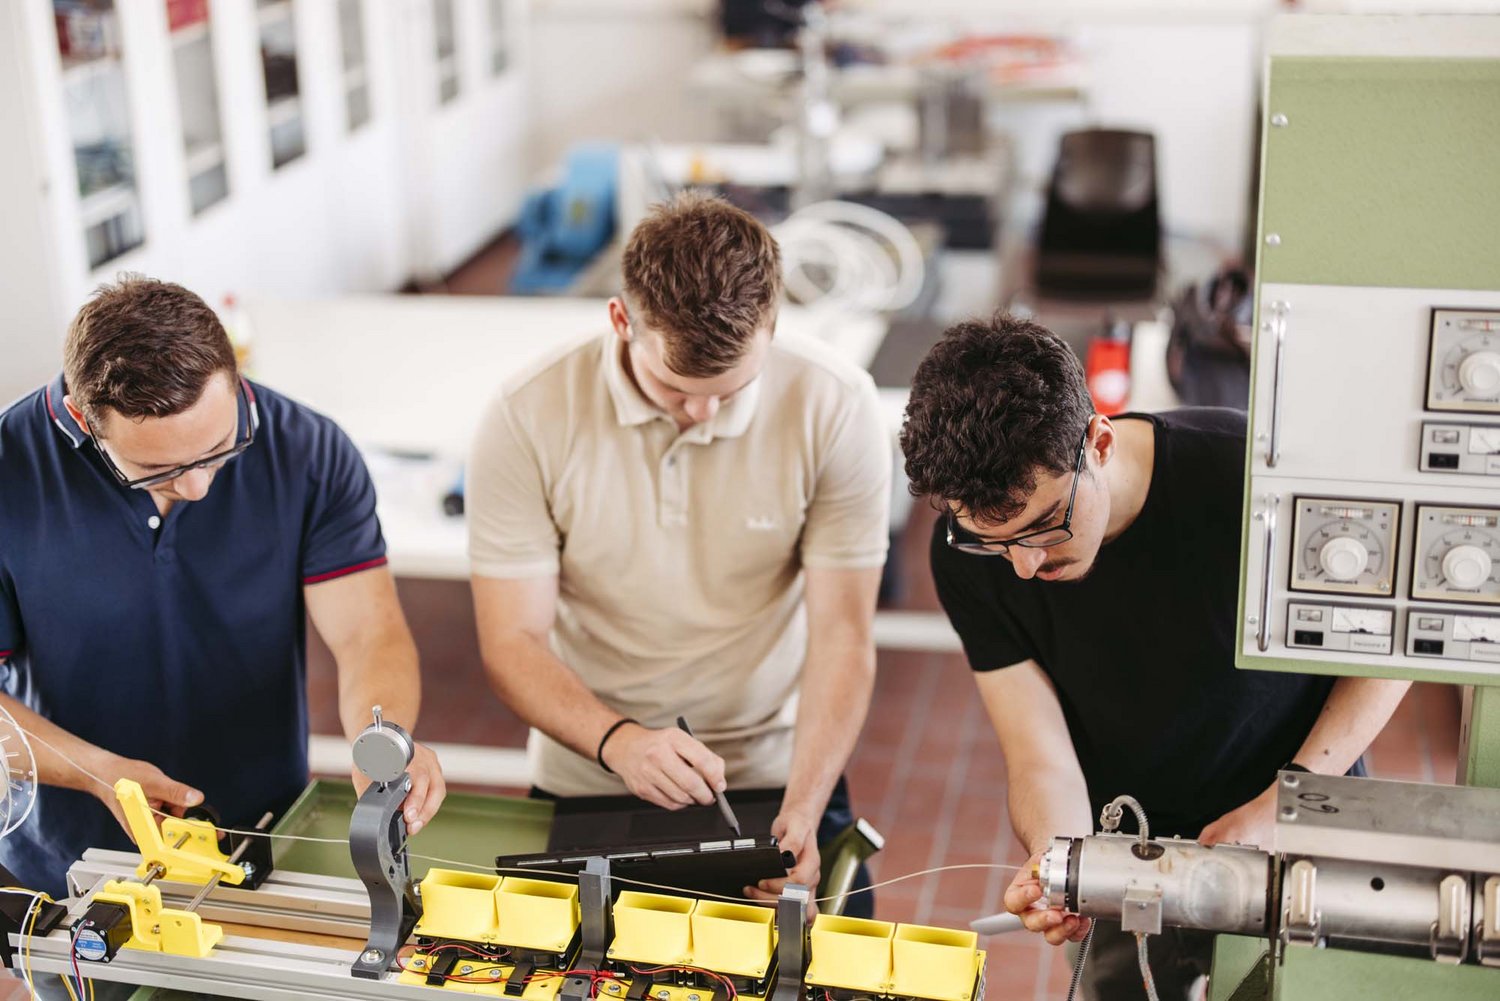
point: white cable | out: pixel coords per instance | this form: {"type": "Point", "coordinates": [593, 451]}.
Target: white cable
{"type": "Point", "coordinates": [850, 256]}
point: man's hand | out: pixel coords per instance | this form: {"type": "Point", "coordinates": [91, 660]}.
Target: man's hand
{"type": "Point", "coordinates": [1052, 923]}
{"type": "Point", "coordinates": [1251, 824]}
{"type": "Point", "coordinates": [428, 790]}
{"type": "Point", "coordinates": [162, 793]}
{"type": "Point", "coordinates": [796, 833]}
{"type": "Point", "coordinates": [665, 767]}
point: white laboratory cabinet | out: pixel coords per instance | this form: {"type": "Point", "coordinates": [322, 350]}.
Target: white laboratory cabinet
{"type": "Point", "coordinates": [271, 147]}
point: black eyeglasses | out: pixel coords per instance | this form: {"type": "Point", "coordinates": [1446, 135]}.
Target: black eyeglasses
{"type": "Point", "coordinates": [965, 541]}
{"type": "Point", "coordinates": [252, 424]}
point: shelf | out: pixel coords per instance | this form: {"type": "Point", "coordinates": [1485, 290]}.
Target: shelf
{"type": "Point", "coordinates": [283, 110]}
{"type": "Point", "coordinates": [188, 34]}
{"type": "Point", "coordinates": [106, 204]}
{"type": "Point", "coordinates": [204, 157]}
{"type": "Point", "coordinates": [271, 13]}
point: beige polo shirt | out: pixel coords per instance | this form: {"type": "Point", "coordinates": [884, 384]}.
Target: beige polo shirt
{"type": "Point", "coordinates": [680, 555]}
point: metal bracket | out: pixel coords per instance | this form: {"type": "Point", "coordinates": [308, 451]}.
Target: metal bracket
{"type": "Point", "coordinates": [596, 915]}
{"type": "Point", "coordinates": [377, 845]}
{"type": "Point", "coordinates": [1487, 923]}
{"type": "Point", "coordinates": [791, 931]}
{"type": "Point", "coordinates": [1300, 923]}
{"type": "Point", "coordinates": [1450, 933]}
{"type": "Point", "coordinates": [1141, 910]}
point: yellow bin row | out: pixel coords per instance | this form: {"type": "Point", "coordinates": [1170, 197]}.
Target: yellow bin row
{"type": "Point", "coordinates": [901, 959]}
{"type": "Point", "coordinates": [498, 910]}
{"type": "Point", "coordinates": [653, 929]}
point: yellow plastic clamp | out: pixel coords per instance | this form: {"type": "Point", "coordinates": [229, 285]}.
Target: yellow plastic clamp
{"type": "Point", "coordinates": [198, 859]}
{"type": "Point", "coordinates": [154, 928]}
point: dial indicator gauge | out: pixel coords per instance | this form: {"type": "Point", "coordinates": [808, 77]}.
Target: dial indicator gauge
{"type": "Point", "coordinates": [1464, 361]}
{"type": "Point", "coordinates": [1345, 546]}
{"type": "Point", "coordinates": [1457, 555]}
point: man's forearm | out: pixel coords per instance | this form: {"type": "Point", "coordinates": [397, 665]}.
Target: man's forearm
{"type": "Point", "coordinates": [547, 694]}
{"type": "Point", "coordinates": [1047, 802]}
{"type": "Point", "coordinates": [837, 683]}
{"type": "Point", "coordinates": [53, 763]}
{"type": "Point", "coordinates": [382, 672]}
{"type": "Point", "coordinates": [1356, 711]}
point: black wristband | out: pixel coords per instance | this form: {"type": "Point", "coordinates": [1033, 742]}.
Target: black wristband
{"type": "Point", "coordinates": [599, 754]}
{"type": "Point", "coordinates": [1292, 766]}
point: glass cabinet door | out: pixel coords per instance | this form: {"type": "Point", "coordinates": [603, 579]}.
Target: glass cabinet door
{"type": "Point", "coordinates": [278, 56]}
{"type": "Point", "coordinates": [499, 38]}
{"type": "Point", "coordinates": [445, 32]}
{"type": "Point", "coordinates": [198, 101]}
{"type": "Point", "coordinates": [356, 75]}
{"type": "Point", "coordinates": [94, 92]}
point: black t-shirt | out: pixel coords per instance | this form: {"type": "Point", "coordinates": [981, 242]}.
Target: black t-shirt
{"type": "Point", "coordinates": [1141, 651]}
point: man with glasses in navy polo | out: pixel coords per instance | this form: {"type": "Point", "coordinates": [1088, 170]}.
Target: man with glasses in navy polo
{"type": "Point", "coordinates": [1090, 565]}
{"type": "Point", "coordinates": [166, 529]}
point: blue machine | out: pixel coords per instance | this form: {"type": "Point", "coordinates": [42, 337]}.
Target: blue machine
{"type": "Point", "coordinates": [563, 228]}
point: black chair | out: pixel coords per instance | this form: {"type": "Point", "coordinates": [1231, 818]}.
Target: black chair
{"type": "Point", "coordinates": [1101, 233]}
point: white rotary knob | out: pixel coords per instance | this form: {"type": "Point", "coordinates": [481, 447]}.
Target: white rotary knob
{"type": "Point", "coordinates": [1479, 373]}
{"type": "Point", "coordinates": [1466, 566]}
{"type": "Point", "coordinates": [1344, 558]}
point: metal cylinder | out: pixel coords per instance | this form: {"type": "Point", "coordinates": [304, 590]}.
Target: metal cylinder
{"type": "Point", "coordinates": [1376, 907]}
{"type": "Point", "coordinates": [1179, 884]}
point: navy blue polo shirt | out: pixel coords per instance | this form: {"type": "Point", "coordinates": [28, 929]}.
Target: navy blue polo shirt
{"type": "Point", "coordinates": [180, 640]}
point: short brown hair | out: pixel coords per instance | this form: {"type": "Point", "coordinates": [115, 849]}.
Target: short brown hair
{"type": "Point", "coordinates": [143, 348]}
{"type": "Point", "coordinates": [706, 276]}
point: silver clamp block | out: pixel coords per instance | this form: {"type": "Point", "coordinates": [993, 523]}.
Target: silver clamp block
{"type": "Point", "coordinates": [1141, 910]}
{"type": "Point", "coordinates": [1487, 923]}
{"type": "Point", "coordinates": [1450, 933]}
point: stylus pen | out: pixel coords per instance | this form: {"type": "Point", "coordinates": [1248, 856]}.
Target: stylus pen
{"type": "Point", "coordinates": [724, 807]}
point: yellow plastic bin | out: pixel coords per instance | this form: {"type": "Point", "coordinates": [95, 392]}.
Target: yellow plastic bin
{"type": "Point", "coordinates": [853, 953]}
{"type": "Point", "coordinates": [937, 963]}
{"type": "Point", "coordinates": [652, 929]}
{"type": "Point", "coordinates": [737, 939]}
{"type": "Point", "coordinates": [537, 914]}
{"type": "Point", "coordinates": [458, 905]}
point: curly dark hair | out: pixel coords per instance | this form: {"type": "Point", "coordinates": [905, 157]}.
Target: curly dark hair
{"type": "Point", "coordinates": [991, 405]}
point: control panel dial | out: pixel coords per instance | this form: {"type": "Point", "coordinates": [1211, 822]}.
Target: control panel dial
{"type": "Point", "coordinates": [1457, 554]}
{"type": "Point", "coordinates": [1345, 546]}
{"type": "Point", "coordinates": [1464, 361]}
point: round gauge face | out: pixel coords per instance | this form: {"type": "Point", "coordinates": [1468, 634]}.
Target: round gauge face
{"type": "Point", "coordinates": [1455, 374]}
{"type": "Point", "coordinates": [1466, 539]}
{"type": "Point", "coordinates": [1331, 552]}
{"type": "Point", "coordinates": [1484, 441]}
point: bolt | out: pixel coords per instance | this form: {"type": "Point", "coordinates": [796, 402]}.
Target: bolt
{"type": "Point", "coordinates": [419, 962]}
{"type": "Point", "coordinates": [1290, 780]}
{"type": "Point", "coordinates": [494, 973]}
{"type": "Point", "coordinates": [1288, 813]}
{"type": "Point", "coordinates": [664, 994]}
{"type": "Point", "coordinates": [1278, 120]}
{"type": "Point", "coordinates": [249, 868]}
{"type": "Point", "coordinates": [372, 956]}
{"type": "Point", "coordinates": [692, 997]}
{"type": "Point", "coordinates": [465, 970]}
{"type": "Point", "coordinates": [1273, 239]}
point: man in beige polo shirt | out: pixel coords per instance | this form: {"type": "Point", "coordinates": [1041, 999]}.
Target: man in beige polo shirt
{"type": "Point", "coordinates": [686, 516]}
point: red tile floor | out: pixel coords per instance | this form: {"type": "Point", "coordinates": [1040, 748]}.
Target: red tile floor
{"type": "Point", "coordinates": [927, 772]}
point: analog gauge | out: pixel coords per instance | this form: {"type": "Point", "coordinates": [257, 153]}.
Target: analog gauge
{"type": "Point", "coordinates": [1472, 629]}
{"type": "Point", "coordinates": [1344, 546]}
{"type": "Point", "coordinates": [1374, 621]}
{"type": "Point", "coordinates": [1484, 441]}
{"type": "Point", "coordinates": [1458, 554]}
{"type": "Point", "coordinates": [1465, 361]}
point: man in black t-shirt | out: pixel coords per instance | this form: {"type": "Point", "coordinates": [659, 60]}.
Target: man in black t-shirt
{"type": "Point", "coordinates": [1090, 566]}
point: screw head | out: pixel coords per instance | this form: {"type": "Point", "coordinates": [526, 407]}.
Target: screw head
{"type": "Point", "coordinates": [692, 997]}
{"type": "Point", "coordinates": [664, 994]}
{"type": "Point", "coordinates": [418, 963]}
{"type": "Point", "coordinates": [372, 956]}
{"type": "Point", "coordinates": [465, 969]}
{"type": "Point", "coordinates": [494, 973]}
{"type": "Point", "coordinates": [1288, 813]}
{"type": "Point", "coordinates": [1278, 120]}
{"type": "Point", "coordinates": [1273, 239]}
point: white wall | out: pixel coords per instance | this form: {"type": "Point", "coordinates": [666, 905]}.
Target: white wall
{"type": "Point", "coordinates": [615, 69]}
